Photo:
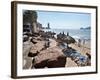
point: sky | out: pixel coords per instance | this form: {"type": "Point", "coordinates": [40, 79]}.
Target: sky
{"type": "Point", "coordinates": [64, 20]}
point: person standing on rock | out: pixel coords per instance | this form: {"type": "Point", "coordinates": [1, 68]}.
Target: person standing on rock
{"type": "Point", "coordinates": [48, 43]}
{"type": "Point", "coordinates": [79, 42]}
{"type": "Point", "coordinates": [88, 59]}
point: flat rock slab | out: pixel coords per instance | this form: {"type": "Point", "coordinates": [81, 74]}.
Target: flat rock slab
{"type": "Point", "coordinates": [51, 58]}
{"type": "Point", "coordinates": [37, 47]}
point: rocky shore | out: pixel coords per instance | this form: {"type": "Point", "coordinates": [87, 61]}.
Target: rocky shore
{"type": "Point", "coordinates": [43, 50]}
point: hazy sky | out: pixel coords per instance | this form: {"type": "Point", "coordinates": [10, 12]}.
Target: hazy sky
{"type": "Point", "coordinates": [64, 20]}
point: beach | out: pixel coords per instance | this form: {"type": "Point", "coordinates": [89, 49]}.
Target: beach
{"type": "Point", "coordinates": [83, 49]}
{"type": "Point", "coordinates": [51, 53]}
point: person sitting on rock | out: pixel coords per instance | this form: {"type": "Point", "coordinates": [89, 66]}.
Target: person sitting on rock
{"type": "Point", "coordinates": [88, 59]}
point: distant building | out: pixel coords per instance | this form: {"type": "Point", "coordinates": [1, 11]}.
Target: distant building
{"type": "Point", "coordinates": [35, 27]}
{"type": "Point", "coordinates": [27, 28]}
{"type": "Point", "coordinates": [48, 26]}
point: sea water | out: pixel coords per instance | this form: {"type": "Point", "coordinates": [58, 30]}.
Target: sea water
{"type": "Point", "coordinates": [75, 33]}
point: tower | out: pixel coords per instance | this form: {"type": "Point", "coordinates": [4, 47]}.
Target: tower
{"type": "Point", "coordinates": [48, 26]}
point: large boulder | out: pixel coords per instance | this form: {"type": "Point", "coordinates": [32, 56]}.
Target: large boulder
{"type": "Point", "coordinates": [59, 61]}
{"type": "Point", "coordinates": [51, 58]}
{"type": "Point", "coordinates": [36, 48]}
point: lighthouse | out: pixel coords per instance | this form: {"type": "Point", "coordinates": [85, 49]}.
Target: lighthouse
{"type": "Point", "coordinates": [48, 26]}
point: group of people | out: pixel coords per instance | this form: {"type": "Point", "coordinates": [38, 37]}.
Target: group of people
{"type": "Point", "coordinates": [80, 42]}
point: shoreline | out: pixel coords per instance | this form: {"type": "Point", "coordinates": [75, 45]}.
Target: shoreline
{"type": "Point", "coordinates": [76, 36]}
{"type": "Point", "coordinates": [39, 47]}
{"type": "Point", "coordinates": [83, 49]}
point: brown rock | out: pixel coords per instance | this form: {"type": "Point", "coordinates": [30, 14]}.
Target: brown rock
{"type": "Point", "coordinates": [59, 62]}
{"type": "Point", "coordinates": [51, 58]}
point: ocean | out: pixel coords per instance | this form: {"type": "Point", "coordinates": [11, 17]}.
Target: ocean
{"type": "Point", "coordinates": [75, 33]}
